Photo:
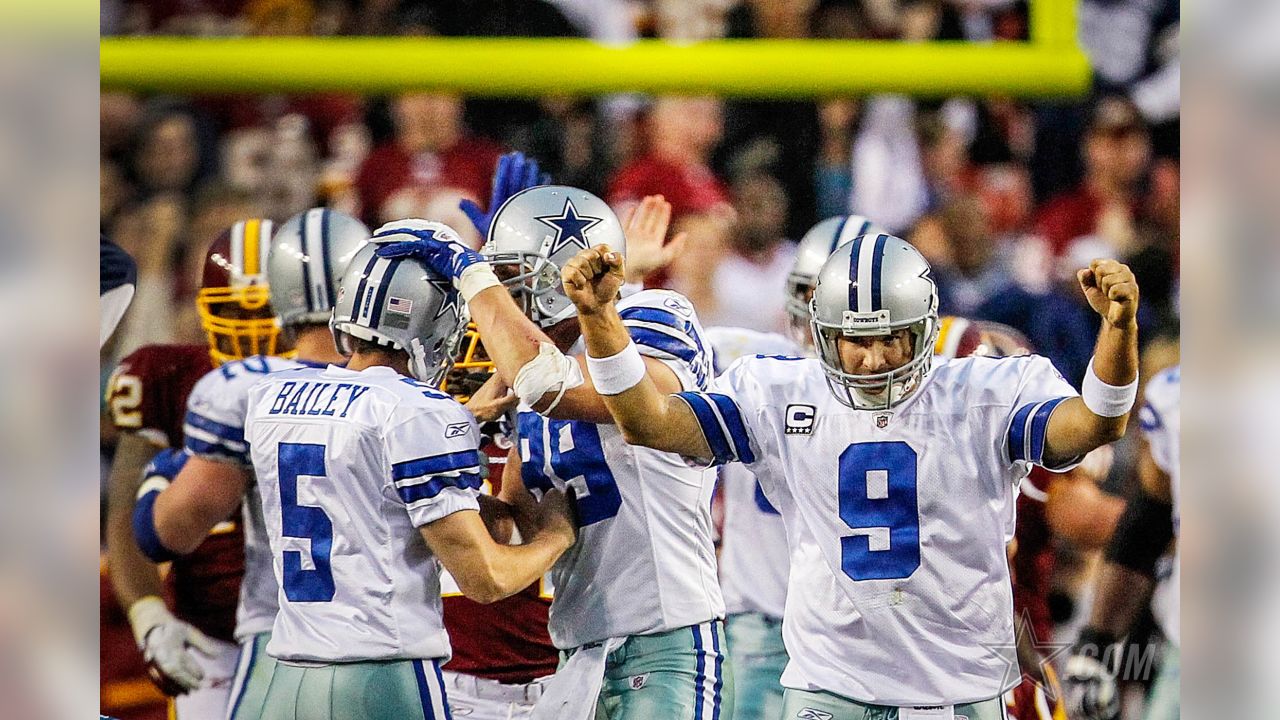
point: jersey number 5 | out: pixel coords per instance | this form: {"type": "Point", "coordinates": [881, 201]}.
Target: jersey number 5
{"type": "Point", "coordinates": [306, 523]}
{"type": "Point", "coordinates": [878, 502]}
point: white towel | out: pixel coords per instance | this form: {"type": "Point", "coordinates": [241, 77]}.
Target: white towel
{"type": "Point", "coordinates": [571, 693]}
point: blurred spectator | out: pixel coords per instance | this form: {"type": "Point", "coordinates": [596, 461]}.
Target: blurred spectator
{"type": "Point", "coordinates": [833, 178]}
{"type": "Point", "coordinates": [167, 158]}
{"type": "Point", "coordinates": [431, 150]}
{"type": "Point", "coordinates": [681, 134]}
{"type": "Point", "coordinates": [978, 268]}
{"type": "Point", "coordinates": [1117, 156]}
{"type": "Point", "coordinates": [748, 282]}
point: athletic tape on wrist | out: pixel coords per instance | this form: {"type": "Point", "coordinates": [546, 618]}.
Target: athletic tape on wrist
{"type": "Point", "coordinates": [476, 279]}
{"type": "Point", "coordinates": [1107, 400]}
{"type": "Point", "coordinates": [617, 373]}
{"type": "Point", "coordinates": [549, 370]}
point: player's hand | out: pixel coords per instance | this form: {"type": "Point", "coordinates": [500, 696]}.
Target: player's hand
{"type": "Point", "coordinates": [593, 278]}
{"type": "Point", "coordinates": [514, 173]}
{"type": "Point", "coordinates": [646, 233]}
{"type": "Point", "coordinates": [492, 400]}
{"type": "Point", "coordinates": [1090, 689]}
{"type": "Point", "coordinates": [169, 646]}
{"type": "Point", "coordinates": [435, 244]}
{"type": "Point", "coordinates": [557, 515]}
{"type": "Point", "coordinates": [1111, 289]}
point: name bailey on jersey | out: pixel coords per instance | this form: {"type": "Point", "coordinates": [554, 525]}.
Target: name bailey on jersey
{"type": "Point", "coordinates": [315, 398]}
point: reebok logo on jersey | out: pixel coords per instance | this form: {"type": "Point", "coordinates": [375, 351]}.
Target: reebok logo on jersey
{"type": "Point", "coordinates": [811, 714]}
{"type": "Point", "coordinates": [456, 430]}
{"type": "Point", "coordinates": [800, 419]}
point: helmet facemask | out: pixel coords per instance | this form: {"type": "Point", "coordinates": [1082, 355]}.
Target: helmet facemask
{"type": "Point", "coordinates": [238, 322]}
{"type": "Point", "coordinates": [799, 293]}
{"type": "Point", "coordinates": [534, 283]}
{"type": "Point", "coordinates": [471, 366]}
{"type": "Point", "coordinates": [873, 391]}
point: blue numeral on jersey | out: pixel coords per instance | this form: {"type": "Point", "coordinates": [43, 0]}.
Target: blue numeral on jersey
{"type": "Point", "coordinates": [878, 502]}
{"type": "Point", "coordinates": [305, 522]}
{"type": "Point", "coordinates": [577, 458]}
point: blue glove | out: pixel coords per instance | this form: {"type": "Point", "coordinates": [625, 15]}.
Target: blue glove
{"type": "Point", "coordinates": [514, 173]}
{"type": "Point", "coordinates": [434, 244]}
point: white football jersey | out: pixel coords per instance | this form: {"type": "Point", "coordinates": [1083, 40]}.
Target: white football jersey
{"type": "Point", "coordinates": [350, 465]}
{"type": "Point", "coordinates": [1161, 424]}
{"type": "Point", "coordinates": [644, 561]}
{"type": "Point", "coordinates": [754, 559]}
{"type": "Point", "coordinates": [214, 429]}
{"type": "Point", "coordinates": [897, 520]}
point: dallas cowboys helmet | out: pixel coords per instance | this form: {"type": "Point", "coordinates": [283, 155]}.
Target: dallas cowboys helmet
{"type": "Point", "coordinates": [400, 304]}
{"type": "Point", "coordinates": [811, 252]}
{"type": "Point", "coordinates": [308, 254]}
{"type": "Point", "coordinates": [535, 233]}
{"type": "Point", "coordinates": [875, 285]}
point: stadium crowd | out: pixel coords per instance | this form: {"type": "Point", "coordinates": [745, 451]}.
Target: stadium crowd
{"type": "Point", "coordinates": [1005, 198]}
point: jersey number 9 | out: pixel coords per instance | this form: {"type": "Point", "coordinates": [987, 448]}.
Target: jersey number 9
{"type": "Point", "coordinates": [878, 502]}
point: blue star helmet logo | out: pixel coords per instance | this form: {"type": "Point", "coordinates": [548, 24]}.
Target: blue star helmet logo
{"type": "Point", "coordinates": [571, 228]}
{"type": "Point", "coordinates": [451, 297]}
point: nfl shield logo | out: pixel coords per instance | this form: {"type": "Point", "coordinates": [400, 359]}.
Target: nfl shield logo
{"type": "Point", "coordinates": [882, 421]}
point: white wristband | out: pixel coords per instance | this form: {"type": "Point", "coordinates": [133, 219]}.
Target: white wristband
{"type": "Point", "coordinates": [476, 279]}
{"type": "Point", "coordinates": [617, 373]}
{"type": "Point", "coordinates": [1107, 400]}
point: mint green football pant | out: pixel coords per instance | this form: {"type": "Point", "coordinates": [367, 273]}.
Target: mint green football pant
{"type": "Point", "coordinates": [759, 657]}
{"type": "Point", "coordinates": [386, 690]}
{"type": "Point", "coordinates": [681, 674]}
{"type": "Point", "coordinates": [818, 705]}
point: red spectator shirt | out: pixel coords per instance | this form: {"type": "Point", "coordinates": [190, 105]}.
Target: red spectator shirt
{"type": "Point", "coordinates": [1070, 215]}
{"type": "Point", "coordinates": [508, 640]}
{"type": "Point", "coordinates": [690, 188]}
{"type": "Point", "coordinates": [468, 166]}
{"type": "Point", "coordinates": [147, 394]}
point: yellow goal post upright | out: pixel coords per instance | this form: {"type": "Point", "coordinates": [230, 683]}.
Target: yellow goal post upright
{"type": "Point", "coordinates": [1051, 64]}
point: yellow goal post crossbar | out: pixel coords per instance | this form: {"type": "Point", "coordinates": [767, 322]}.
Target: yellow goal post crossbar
{"type": "Point", "coordinates": [1050, 65]}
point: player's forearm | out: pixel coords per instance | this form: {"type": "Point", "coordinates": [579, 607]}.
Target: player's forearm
{"type": "Point", "coordinates": [1115, 362]}
{"type": "Point", "coordinates": [637, 411]}
{"type": "Point", "coordinates": [522, 565]}
{"type": "Point", "coordinates": [510, 338]}
{"type": "Point", "coordinates": [1122, 594]}
{"type": "Point", "coordinates": [133, 576]}
{"type": "Point", "coordinates": [180, 527]}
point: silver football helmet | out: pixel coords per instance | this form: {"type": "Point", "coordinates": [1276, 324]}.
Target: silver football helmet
{"type": "Point", "coordinates": [308, 255]}
{"type": "Point", "coordinates": [535, 233]}
{"type": "Point", "coordinates": [811, 252]}
{"type": "Point", "coordinates": [875, 285]}
{"type": "Point", "coordinates": [402, 305]}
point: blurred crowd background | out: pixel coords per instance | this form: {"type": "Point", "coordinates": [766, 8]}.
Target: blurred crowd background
{"type": "Point", "coordinates": [1007, 198]}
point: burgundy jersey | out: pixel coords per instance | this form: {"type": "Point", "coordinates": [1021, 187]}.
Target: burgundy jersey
{"type": "Point", "coordinates": [1033, 564]}
{"type": "Point", "coordinates": [147, 394]}
{"type": "Point", "coordinates": [508, 640]}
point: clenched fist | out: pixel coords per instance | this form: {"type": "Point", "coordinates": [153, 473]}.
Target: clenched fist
{"type": "Point", "coordinates": [593, 278]}
{"type": "Point", "coordinates": [1111, 289]}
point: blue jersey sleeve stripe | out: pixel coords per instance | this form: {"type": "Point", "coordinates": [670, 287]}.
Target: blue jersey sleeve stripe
{"type": "Point", "coordinates": [431, 488]}
{"type": "Point", "coordinates": [721, 452]}
{"type": "Point", "coordinates": [655, 315]}
{"type": "Point", "coordinates": [1040, 427]}
{"type": "Point", "coordinates": [461, 460]}
{"type": "Point", "coordinates": [1017, 433]}
{"type": "Point", "coordinates": [213, 427]}
{"type": "Point", "coordinates": [663, 343]}
{"type": "Point", "coordinates": [198, 446]}
{"type": "Point", "coordinates": [728, 410]}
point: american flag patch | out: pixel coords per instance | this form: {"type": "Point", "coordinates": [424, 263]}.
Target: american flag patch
{"type": "Point", "coordinates": [404, 306]}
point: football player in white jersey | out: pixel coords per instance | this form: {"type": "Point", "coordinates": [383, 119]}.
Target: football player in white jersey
{"type": "Point", "coordinates": [754, 558]}
{"type": "Point", "coordinates": [368, 477]}
{"type": "Point", "coordinates": [896, 477]}
{"type": "Point", "coordinates": [637, 609]}
{"type": "Point", "coordinates": [304, 263]}
{"type": "Point", "coordinates": [1127, 579]}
